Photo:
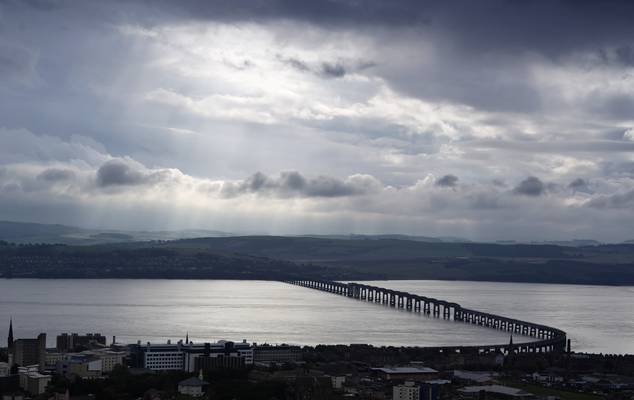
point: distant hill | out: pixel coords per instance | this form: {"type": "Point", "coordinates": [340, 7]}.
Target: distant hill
{"type": "Point", "coordinates": [184, 254]}
{"type": "Point", "coordinates": [403, 259]}
{"type": "Point", "coordinates": [23, 232]}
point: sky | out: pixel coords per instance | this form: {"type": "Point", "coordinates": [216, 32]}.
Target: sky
{"type": "Point", "coordinates": [487, 120]}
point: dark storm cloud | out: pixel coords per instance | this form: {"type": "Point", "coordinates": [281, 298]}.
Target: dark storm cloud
{"type": "Point", "coordinates": [492, 24]}
{"type": "Point", "coordinates": [117, 172]}
{"type": "Point", "coordinates": [327, 69]}
{"type": "Point", "coordinates": [531, 186]}
{"type": "Point", "coordinates": [56, 175]}
{"type": "Point", "coordinates": [333, 70]}
{"type": "Point", "coordinates": [513, 25]}
{"type": "Point", "coordinates": [447, 181]}
{"type": "Point", "coordinates": [296, 64]}
{"type": "Point", "coordinates": [294, 184]}
{"type": "Point", "coordinates": [578, 184]}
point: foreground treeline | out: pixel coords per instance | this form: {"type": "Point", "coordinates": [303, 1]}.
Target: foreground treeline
{"type": "Point", "coordinates": [121, 384]}
{"type": "Point", "coordinates": [154, 262]}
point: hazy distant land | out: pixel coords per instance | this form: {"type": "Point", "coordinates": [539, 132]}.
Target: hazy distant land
{"type": "Point", "coordinates": [157, 255]}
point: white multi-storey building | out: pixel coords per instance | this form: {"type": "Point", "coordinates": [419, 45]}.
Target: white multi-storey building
{"type": "Point", "coordinates": [162, 359]}
{"type": "Point", "coordinates": [186, 356]}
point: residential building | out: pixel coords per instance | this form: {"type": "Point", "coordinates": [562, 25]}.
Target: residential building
{"type": "Point", "coordinates": [29, 351]}
{"type": "Point", "coordinates": [406, 391]}
{"type": "Point", "coordinates": [76, 342]}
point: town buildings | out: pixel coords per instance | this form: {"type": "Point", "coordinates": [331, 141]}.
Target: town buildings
{"type": "Point", "coordinates": [74, 342]}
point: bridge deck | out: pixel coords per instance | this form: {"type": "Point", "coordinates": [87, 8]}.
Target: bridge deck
{"type": "Point", "coordinates": [549, 339]}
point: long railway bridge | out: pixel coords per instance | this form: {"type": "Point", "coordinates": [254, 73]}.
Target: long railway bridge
{"type": "Point", "coordinates": [547, 339]}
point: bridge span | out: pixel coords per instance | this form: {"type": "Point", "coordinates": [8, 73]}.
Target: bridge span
{"type": "Point", "coordinates": [547, 339]}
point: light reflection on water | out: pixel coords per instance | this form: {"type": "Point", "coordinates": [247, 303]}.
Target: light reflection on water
{"type": "Point", "coordinates": [598, 319]}
{"type": "Point", "coordinates": [273, 312]}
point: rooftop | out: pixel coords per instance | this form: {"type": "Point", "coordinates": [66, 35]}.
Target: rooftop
{"type": "Point", "coordinates": [406, 370]}
{"type": "Point", "coordinates": [505, 390]}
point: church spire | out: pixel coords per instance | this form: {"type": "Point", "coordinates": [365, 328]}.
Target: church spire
{"type": "Point", "coordinates": [10, 338]}
{"type": "Point", "coordinates": [187, 338]}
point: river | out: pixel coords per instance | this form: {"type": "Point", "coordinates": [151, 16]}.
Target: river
{"type": "Point", "coordinates": [597, 318]}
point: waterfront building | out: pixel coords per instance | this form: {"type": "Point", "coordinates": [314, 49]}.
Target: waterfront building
{"type": "Point", "coordinates": [406, 391]}
{"type": "Point", "coordinates": [276, 354]}
{"type": "Point", "coordinates": [185, 356]}
{"type": "Point", "coordinates": [32, 381]}
{"type": "Point", "coordinates": [29, 351]}
{"type": "Point", "coordinates": [76, 342]}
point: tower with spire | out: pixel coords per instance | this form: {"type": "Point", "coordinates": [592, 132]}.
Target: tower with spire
{"type": "Point", "coordinates": [10, 338]}
{"type": "Point", "coordinates": [10, 342]}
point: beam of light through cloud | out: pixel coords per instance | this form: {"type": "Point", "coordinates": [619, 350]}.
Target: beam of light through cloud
{"type": "Point", "coordinates": [413, 117]}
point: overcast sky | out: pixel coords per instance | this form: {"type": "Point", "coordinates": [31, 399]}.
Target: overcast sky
{"type": "Point", "coordinates": [480, 119]}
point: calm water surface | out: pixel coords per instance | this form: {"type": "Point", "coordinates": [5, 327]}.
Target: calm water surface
{"type": "Point", "coordinates": [599, 319]}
